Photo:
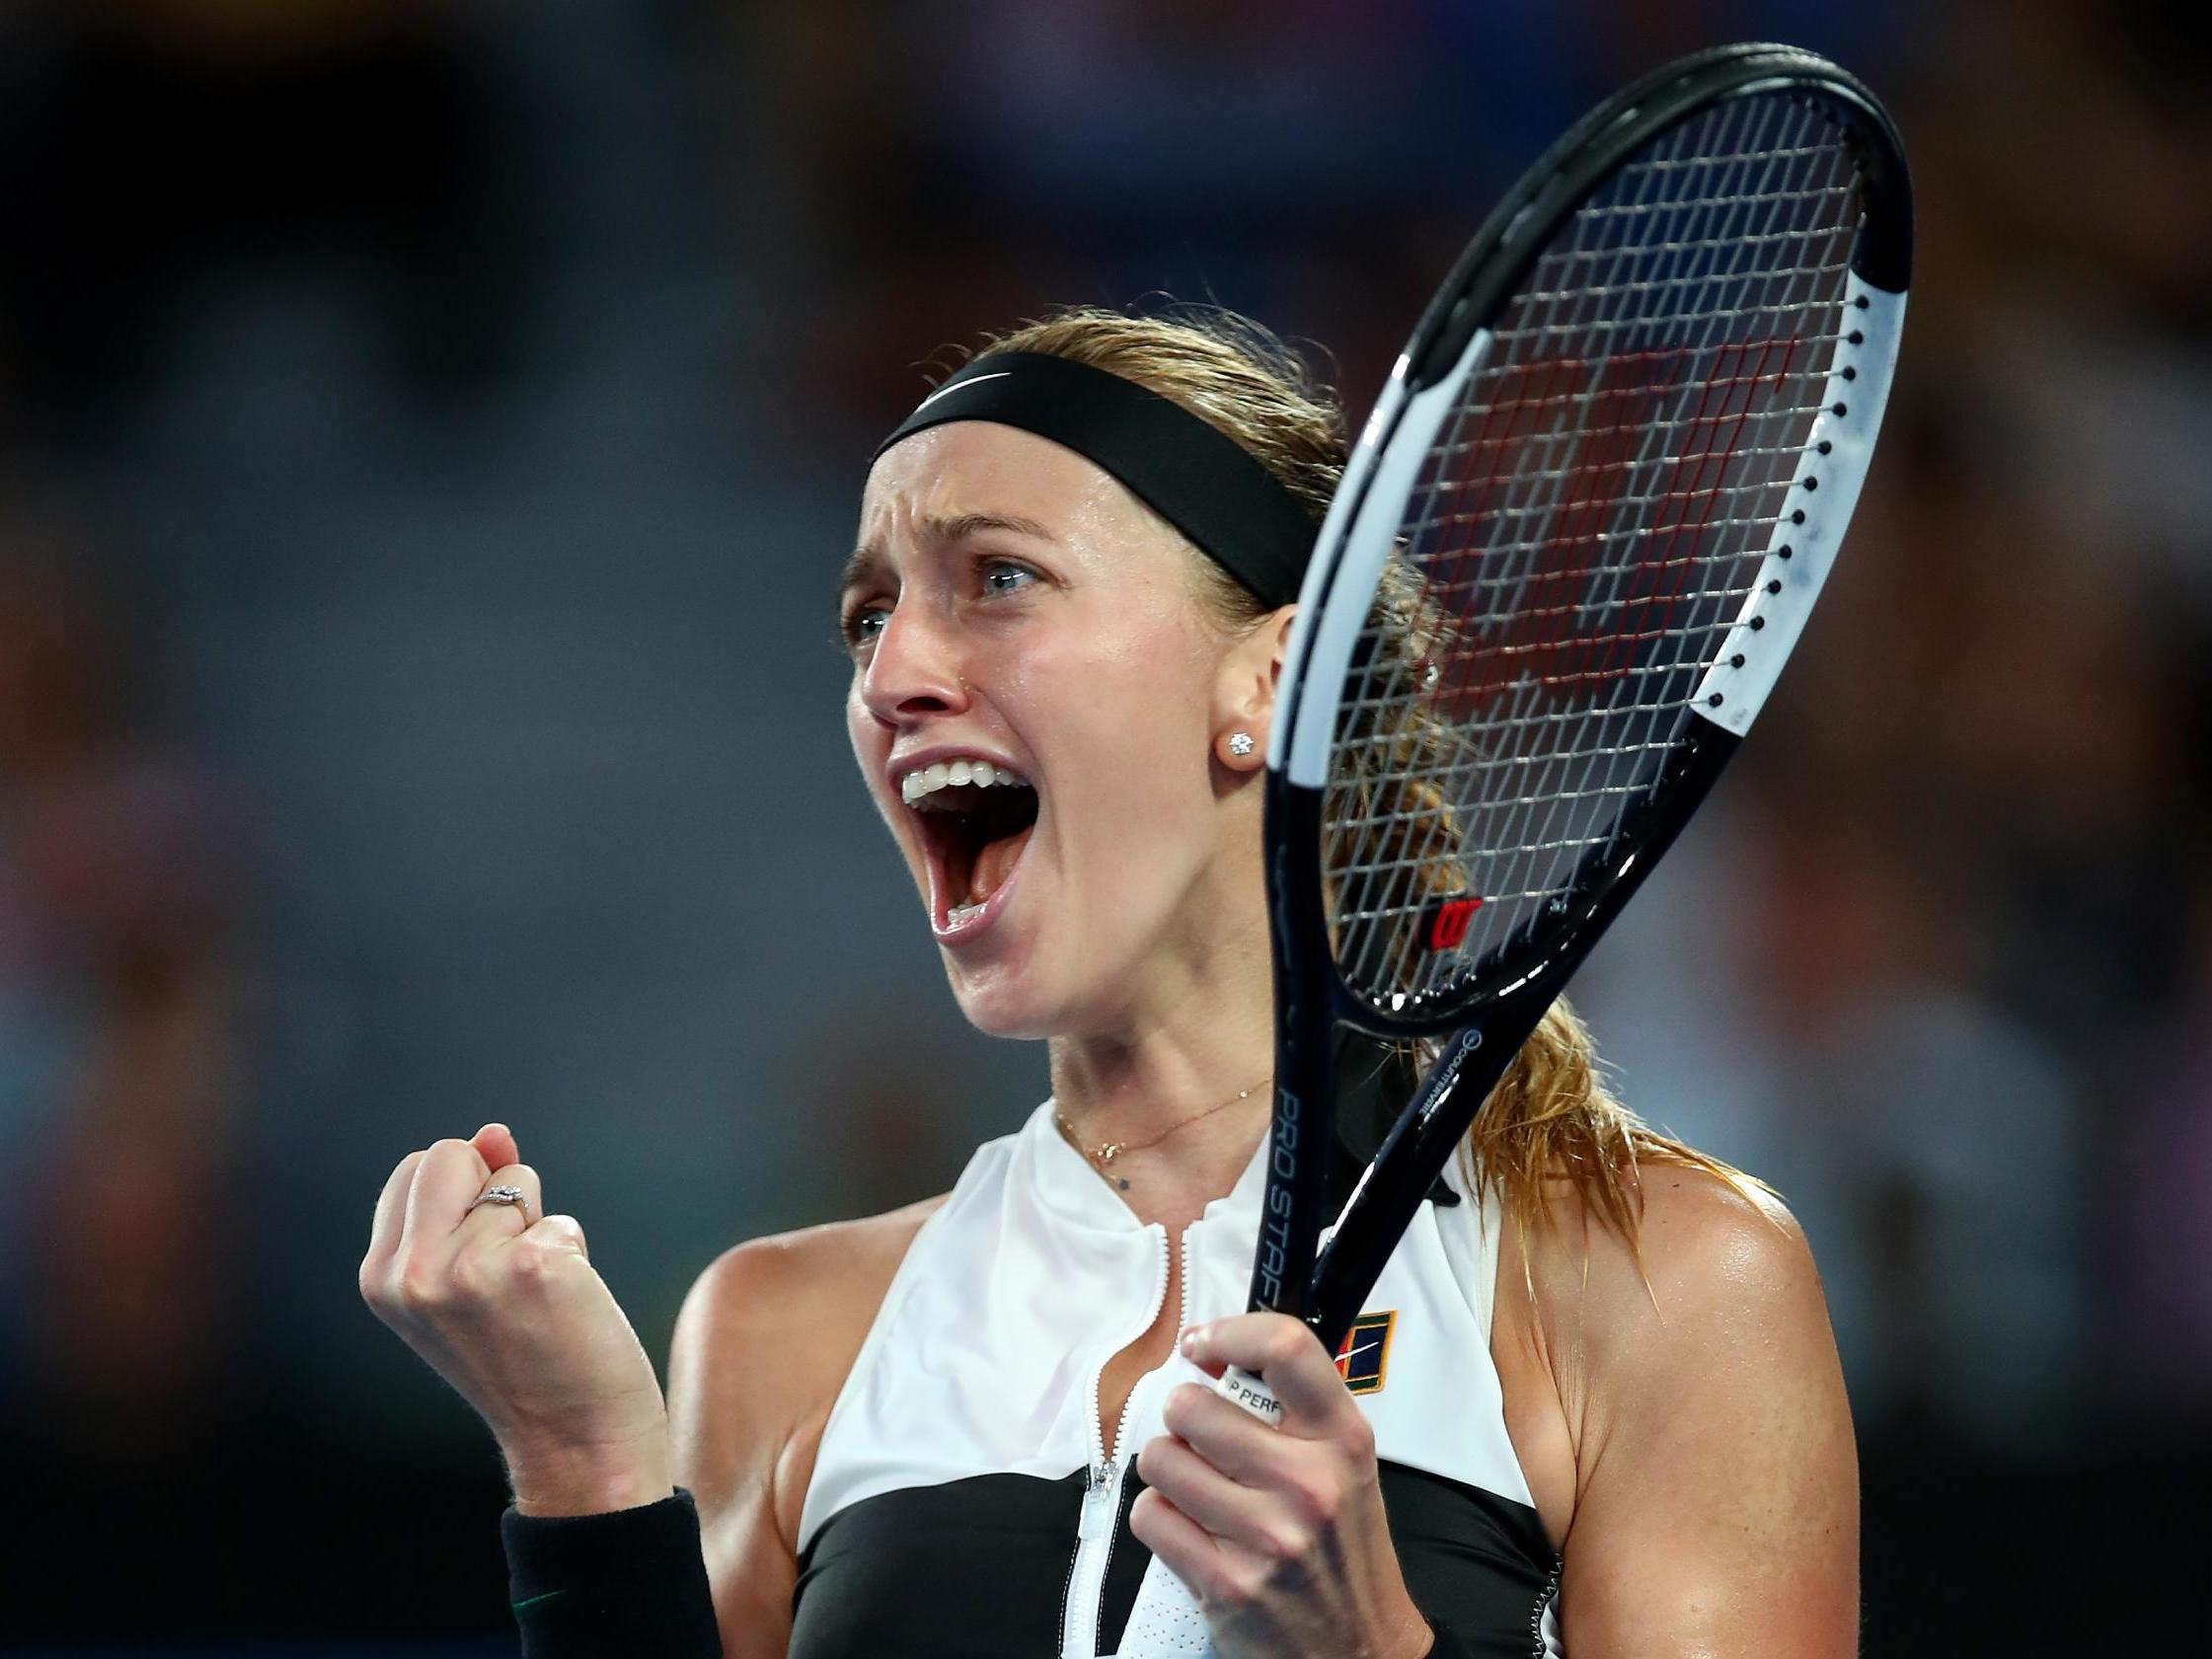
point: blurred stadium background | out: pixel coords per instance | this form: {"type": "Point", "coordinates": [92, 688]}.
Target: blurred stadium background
{"type": "Point", "coordinates": [429, 433]}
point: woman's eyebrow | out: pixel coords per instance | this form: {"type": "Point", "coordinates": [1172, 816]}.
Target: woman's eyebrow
{"type": "Point", "coordinates": [964, 525]}
{"type": "Point", "coordinates": [867, 561]}
{"type": "Point", "coordinates": [862, 566]}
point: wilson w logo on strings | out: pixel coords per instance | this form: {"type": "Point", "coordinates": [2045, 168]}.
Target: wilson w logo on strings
{"type": "Point", "coordinates": [1571, 573]}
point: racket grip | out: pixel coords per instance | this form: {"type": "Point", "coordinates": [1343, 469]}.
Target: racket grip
{"type": "Point", "coordinates": [1243, 1389]}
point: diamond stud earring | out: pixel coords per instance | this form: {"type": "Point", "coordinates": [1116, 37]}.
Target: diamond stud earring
{"type": "Point", "coordinates": [1240, 743]}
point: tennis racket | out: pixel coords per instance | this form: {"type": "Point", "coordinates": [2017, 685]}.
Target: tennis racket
{"type": "Point", "coordinates": [1574, 544]}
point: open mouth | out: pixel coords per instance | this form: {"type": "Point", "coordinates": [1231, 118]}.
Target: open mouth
{"type": "Point", "coordinates": [975, 820]}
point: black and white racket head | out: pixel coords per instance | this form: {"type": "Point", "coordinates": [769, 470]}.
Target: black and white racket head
{"type": "Point", "coordinates": [1604, 484]}
{"type": "Point", "coordinates": [1578, 537]}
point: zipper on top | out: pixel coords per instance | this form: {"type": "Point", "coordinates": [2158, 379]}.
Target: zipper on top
{"type": "Point", "coordinates": [1182, 1323]}
{"type": "Point", "coordinates": [1098, 1520]}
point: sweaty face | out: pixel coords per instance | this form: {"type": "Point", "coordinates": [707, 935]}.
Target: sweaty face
{"type": "Point", "coordinates": [1034, 707]}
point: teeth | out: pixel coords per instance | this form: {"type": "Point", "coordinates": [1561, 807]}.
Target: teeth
{"type": "Point", "coordinates": [926, 781]}
{"type": "Point", "coordinates": [959, 913]}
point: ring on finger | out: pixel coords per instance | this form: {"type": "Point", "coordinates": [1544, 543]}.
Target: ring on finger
{"type": "Point", "coordinates": [504, 1194]}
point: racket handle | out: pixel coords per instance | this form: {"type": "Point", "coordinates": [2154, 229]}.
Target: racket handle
{"type": "Point", "coordinates": [1245, 1390]}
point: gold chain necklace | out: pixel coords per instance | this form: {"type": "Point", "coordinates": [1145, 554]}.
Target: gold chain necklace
{"type": "Point", "coordinates": [1103, 1155]}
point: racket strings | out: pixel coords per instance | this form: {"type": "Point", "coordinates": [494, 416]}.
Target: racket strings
{"type": "Point", "coordinates": [1586, 527]}
{"type": "Point", "coordinates": [1598, 213]}
{"type": "Point", "coordinates": [1598, 788]}
{"type": "Point", "coordinates": [1544, 834]}
{"type": "Point", "coordinates": [1707, 161]}
{"type": "Point", "coordinates": [1660, 498]}
{"type": "Point", "coordinates": [1605, 291]}
{"type": "Point", "coordinates": [1538, 475]}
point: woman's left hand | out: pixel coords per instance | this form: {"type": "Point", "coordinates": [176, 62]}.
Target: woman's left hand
{"type": "Point", "coordinates": [1278, 1531]}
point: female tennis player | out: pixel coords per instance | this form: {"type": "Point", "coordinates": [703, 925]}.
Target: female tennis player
{"type": "Point", "coordinates": [1595, 1405]}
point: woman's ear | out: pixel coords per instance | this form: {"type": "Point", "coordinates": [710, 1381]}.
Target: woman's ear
{"type": "Point", "coordinates": [1244, 695]}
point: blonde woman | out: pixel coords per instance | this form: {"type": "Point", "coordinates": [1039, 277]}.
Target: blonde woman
{"type": "Point", "coordinates": [1597, 1409]}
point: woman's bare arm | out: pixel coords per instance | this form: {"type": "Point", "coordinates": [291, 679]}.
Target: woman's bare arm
{"type": "Point", "coordinates": [1716, 1496]}
{"type": "Point", "coordinates": [761, 1348]}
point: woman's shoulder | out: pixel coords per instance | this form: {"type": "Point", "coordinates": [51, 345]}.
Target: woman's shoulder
{"type": "Point", "coordinates": [1693, 1360]}
{"type": "Point", "coordinates": [761, 1348]}
{"type": "Point", "coordinates": [829, 1277]}
{"type": "Point", "coordinates": [1710, 1314]}
{"type": "Point", "coordinates": [1712, 1260]}
{"type": "Point", "coordinates": [1698, 1235]}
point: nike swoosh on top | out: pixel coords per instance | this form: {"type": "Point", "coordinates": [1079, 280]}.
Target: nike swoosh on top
{"type": "Point", "coordinates": [1345, 1359]}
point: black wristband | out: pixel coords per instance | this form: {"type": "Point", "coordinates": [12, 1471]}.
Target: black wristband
{"type": "Point", "coordinates": [629, 1582]}
{"type": "Point", "coordinates": [1445, 1644]}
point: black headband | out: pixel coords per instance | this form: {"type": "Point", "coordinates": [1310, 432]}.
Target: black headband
{"type": "Point", "coordinates": [1196, 478]}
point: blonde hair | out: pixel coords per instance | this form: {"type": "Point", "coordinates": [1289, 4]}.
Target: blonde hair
{"type": "Point", "coordinates": [1552, 1118]}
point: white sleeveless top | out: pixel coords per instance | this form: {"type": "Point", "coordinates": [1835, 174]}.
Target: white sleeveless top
{"type": "Point", "coordinates": [971, 1414]}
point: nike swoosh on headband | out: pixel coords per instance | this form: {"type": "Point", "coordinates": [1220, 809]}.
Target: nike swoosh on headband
{"type": "Point", "coordinates": [956, 385]}
{"type": "Point", "coordinates": [1195, 475]}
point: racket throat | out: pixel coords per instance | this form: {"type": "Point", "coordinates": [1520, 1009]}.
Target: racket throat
{"type": "Point", "coordinates": [1301, 1134]}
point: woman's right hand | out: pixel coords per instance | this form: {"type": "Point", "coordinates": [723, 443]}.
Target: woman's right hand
{"type": "Point", "coordinates": [508, 1309]}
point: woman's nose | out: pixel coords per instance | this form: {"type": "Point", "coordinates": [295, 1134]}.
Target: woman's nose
{"type": "Point", "coordinates": [914, 669]}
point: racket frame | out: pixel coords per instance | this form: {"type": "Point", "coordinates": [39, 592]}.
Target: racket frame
{"type": "Point", "coordinates": [1447, 349]}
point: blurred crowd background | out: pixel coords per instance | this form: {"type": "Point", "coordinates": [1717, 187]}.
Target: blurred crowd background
{"type": "Point", "coordinates": [428, 433]}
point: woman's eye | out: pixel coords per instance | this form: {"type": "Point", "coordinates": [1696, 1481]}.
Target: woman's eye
{"type": "Point", "coordinates": [1002, 576]}
{"type": "Point", "coordinates": [862, 623]}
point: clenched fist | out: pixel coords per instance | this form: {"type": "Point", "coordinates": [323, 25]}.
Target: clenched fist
{"type": "Point", "coordinates": [506, 1307]}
